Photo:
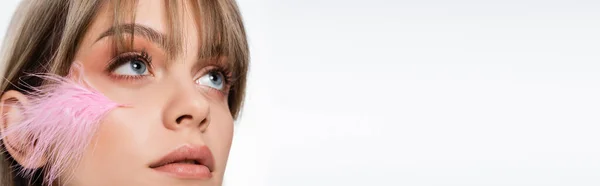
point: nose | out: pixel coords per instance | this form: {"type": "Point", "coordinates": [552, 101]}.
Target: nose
{"type": "Point", "coordinates": [187, 108]}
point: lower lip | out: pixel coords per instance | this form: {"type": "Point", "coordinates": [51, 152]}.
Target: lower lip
{"type": "Point", "coordinates": [186, 171]}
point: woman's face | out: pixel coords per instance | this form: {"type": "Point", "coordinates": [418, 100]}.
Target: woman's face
{"type": "Point", "coordinates": [176, 104]}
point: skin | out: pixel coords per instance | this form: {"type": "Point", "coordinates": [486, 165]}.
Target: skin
{"type": "Point", "coordinates": [169, 108]}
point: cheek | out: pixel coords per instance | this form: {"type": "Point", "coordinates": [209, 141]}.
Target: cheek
{"type": "Point", "coordinates": [120, 149]}
{"type": "Point", "coordinates": [219, 135]}
{"type": "Point", "coordinates": [123, 133]}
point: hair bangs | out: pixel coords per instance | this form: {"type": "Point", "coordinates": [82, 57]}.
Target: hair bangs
{"type": "Point", "coordinates": [221, 36]}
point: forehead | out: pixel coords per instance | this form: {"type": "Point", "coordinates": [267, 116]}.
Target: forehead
{"type": "Point", "coordinates": [151, 14]}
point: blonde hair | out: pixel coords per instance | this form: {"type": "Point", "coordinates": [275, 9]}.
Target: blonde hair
{"type": "Point", "coordinates": [44, 36]}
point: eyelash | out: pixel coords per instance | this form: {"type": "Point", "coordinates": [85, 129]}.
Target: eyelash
{"type": "Point", "coordinates": [126, 57]}
{"type": "Point", "coordinates": [143, 56]}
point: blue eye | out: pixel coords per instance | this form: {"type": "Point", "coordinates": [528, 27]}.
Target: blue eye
{"type": "Point", "coordinates": [133, 67]}
{"type": "Point", "coordinates": [212, 79]}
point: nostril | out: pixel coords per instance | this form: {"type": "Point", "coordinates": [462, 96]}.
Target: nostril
{"type": "Point", "coordinates": [181, 118]}
{"type": "Point", "coordinates": [204, 124]}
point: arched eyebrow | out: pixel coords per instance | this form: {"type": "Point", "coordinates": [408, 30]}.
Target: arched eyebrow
{"type": "Point", "coordinates": [138, 30]}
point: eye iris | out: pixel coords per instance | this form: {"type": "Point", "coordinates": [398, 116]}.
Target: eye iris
{"type": "Point", "coordinates": [138, 66]}
{"type": "Point", "coordinates": [215, 78]}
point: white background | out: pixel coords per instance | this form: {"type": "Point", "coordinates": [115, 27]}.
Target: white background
{"type": "Point", "coordinates": [418, 93]}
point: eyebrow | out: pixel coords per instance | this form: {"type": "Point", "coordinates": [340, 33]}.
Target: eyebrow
{"type": "Point", "coordinates": [138, 30]}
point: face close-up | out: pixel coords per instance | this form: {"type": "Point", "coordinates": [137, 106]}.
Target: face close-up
{"type": "Point", "coordinates": [175, 119]}
{"type": "Point", "coordinates": [176, 103]}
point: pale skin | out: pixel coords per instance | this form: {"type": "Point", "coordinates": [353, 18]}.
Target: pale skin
{"type": "Point", "coordinates": [171, 105]}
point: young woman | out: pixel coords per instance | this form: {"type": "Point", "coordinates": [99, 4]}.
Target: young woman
{"type": "Point", "coordinates": [170, 77]}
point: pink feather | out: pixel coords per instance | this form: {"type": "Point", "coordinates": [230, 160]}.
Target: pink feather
{"type": "Point", "coordinates": [58, 123]}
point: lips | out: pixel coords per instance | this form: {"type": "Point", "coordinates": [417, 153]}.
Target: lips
{"type": "Point", "coordinates": [187, 162]}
